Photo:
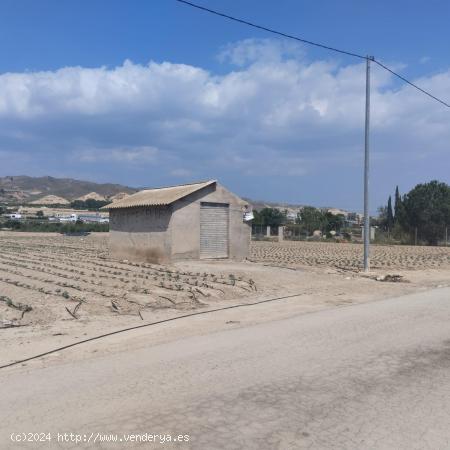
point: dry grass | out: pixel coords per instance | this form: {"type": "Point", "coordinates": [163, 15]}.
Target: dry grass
{"type": "Point", "coordinates": [349, 256]}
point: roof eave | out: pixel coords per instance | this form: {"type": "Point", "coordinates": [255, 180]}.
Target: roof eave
{"type": "Point", "coordinates": [118, 205]}
{"type": "Point", "coordinates": [141, 205]}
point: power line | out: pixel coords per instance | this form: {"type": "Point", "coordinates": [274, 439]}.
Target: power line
{"type": "Point", "coordinates": [270, 30]}
{"type": "Point", "coordinates": [410, 83]}
{"type": "Point", "coordinates": [305, 41]}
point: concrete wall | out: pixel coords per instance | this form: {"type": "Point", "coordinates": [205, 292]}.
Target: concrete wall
{"type": "Point", "coordinates": [185, 224]}
{"type": "Point", "coordinates": [160, 235]}
{"type": "Point", "coordinates": [140, 234]}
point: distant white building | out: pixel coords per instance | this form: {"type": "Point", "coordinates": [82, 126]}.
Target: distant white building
{"type": "Point", "coordinates": [338, 212]}
{"type": "Point", "coordinates": [291, 216]}
{"type": "Point", "coordinates": [97, 218]}
{"type": "Point", "coordinates": [94, 219]}
{"type": "Point", "coordinates": [71, 218]}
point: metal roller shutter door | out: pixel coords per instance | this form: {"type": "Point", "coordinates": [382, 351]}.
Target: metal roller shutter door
{"type": "Point", "coordinates": [214, 230]}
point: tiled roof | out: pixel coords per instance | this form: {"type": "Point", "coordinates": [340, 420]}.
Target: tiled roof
{"type": "Point", "coordinates": [159, 196]}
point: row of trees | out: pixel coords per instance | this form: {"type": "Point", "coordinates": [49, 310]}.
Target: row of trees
{"type": "Point", "coordinates": [425, 208]}
{"type": "Point", "coordinates": [271, 217]}
{"type": "Point", "coordinates": [55, 227]}
{"type": "Point", "coordinates": [89, 204]}
{"type": "Point", "coordinates": [310, 219]}
{"type": "Point", "coordinates": [388, 217]}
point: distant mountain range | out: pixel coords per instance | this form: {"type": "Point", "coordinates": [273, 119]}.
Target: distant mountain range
{"type": "Point", "coordinates": [47, 190]}
{"type": "Point", "coordinates": [260, 204]}
{"type": "Point", "coordinates": [25, 189]}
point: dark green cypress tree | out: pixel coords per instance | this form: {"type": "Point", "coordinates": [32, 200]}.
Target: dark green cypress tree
{"type": "Point", "coordinates": [390, 215]}
{"type": "Point", "coordinates": [397, 205]}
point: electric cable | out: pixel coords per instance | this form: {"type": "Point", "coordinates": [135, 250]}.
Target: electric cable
{"type": "Point", "coordinates": [123, 330]}
{"type": "Point", "coordinates": [270, 30]}
{"type": "Point", "coordinates": [316, 44]}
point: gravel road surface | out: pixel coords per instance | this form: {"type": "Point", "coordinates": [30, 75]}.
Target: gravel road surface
{"type": "Point", "coordinates": [367, 376]}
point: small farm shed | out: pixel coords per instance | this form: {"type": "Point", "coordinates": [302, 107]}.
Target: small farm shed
{"type": "Point", "coordinates": [191, 221]}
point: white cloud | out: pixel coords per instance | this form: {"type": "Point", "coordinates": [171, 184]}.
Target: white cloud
{"type": "Point", "coordinates": [137, 155]}
{"type": "Point", "coordinates": [275, 115]}
{"type": "Point", "coordinates": [260, 50]}
{"type": "Point", "coordinates": [183, 173]}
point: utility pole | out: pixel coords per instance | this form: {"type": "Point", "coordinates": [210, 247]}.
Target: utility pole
{"type": "Point", "coordinates": [366, 170]}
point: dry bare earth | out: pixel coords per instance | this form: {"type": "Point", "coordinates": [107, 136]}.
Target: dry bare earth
{"type": "Point", "coordinates": [349, 256]}
{"type": "Point", "coordinates": [44, 278]}
{"type": "Point", "coordinates": [47, 278]}
{"type": "Point", "coordinates": [55, 290]}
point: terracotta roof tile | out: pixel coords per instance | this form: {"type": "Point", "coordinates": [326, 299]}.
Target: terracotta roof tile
{"type": "Point", "coordinates": [159, 196]}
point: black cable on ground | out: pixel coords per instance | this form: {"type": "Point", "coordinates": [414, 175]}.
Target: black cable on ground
{"type": "Point", "coordinates": [123, 330]}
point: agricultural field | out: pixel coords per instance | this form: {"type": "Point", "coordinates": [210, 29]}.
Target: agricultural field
{"type": "Point", "coordinates": [349, 256]}
{"type": "Point", "coordinates": [45, 278]}
{"type": "Point", "coordinates": [48, 278]}
{"type": "Point", "coordinates": [56, 289]}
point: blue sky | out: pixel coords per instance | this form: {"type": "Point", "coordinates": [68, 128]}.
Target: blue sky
{"type": "Point", "coordinates": [150, 93]}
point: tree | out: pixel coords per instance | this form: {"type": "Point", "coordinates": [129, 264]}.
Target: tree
{"type": "Point", "coordinates": [390, 215]}
{"type": "Point", "coordinates": [40, 214]}
{"type": "Point", "coordinates": [90, 204]}
{"type": "Point", "coordinates": [272, 217]}
{"type": "Point", "coordinates": [312, 219]}
{"type": "Point", "coordinates": [427, 208]}
{"type": "Point", "coordinates": [95, 205]}
{"type": "Point", "coordinates": [334, 222]}
{"type": "Point", "coordinates": [381, 220]}
{"type": "Point", "coordinates": [398, 206]}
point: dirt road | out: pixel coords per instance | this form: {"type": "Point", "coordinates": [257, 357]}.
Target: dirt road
{"type": "Point", "coordinates": [367, 376]}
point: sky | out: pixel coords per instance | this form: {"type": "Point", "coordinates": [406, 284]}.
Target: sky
{"type": "Point", "coordinates": [153, 93]}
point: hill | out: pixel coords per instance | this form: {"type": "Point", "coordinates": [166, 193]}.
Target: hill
{"type": "Point", "coordinates": [119, 196]}
{"type": "Point", "coordinates": [50, 200]}
{"type": "Point", "coordinates": [25, 189]}
{"type": "Point", "coordinates": [260, 204]}
{"type": "Point", "coordinates": [93, 196]}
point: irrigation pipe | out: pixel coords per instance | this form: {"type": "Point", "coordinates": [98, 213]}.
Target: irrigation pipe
{"type": "Point", "coordinates": [123, 330]}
